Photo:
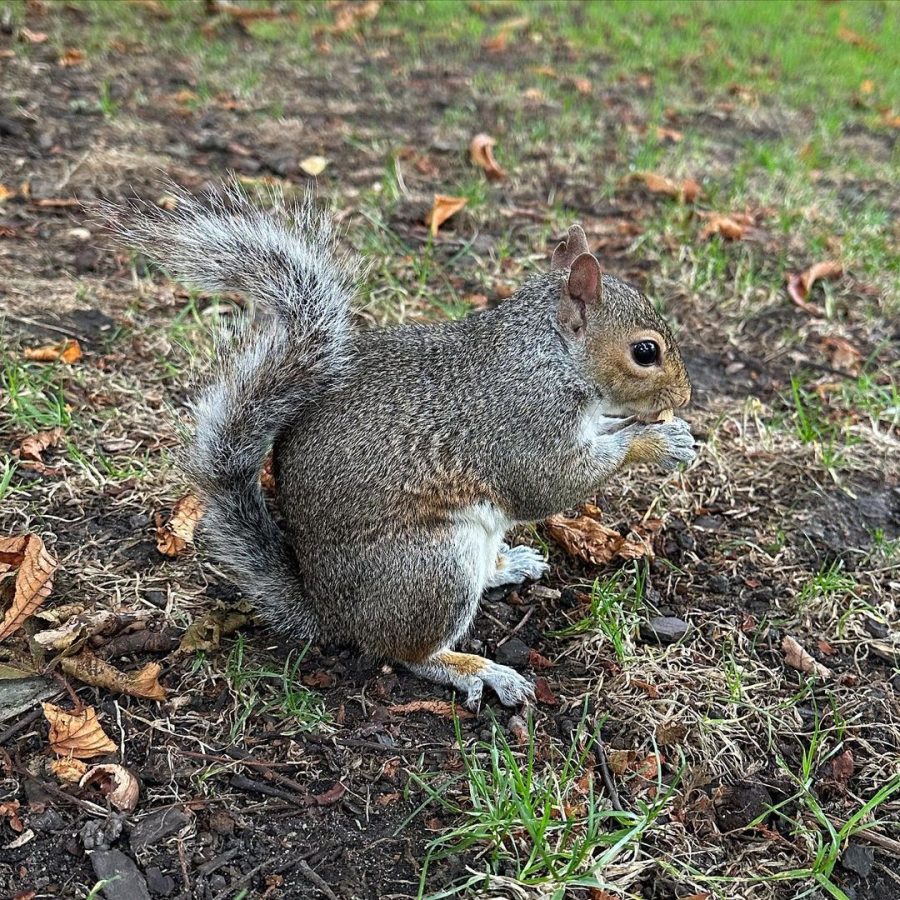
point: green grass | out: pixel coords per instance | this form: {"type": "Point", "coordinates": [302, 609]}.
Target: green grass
{"type": "Point", "coordinates": [31, 394]}
{"type": "Point", "coordinates": [277, 693]}
{"type": "Point", "coordinates": [534, 819]}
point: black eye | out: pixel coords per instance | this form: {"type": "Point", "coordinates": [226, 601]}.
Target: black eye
{"type": "Point", "coordinates": [645, 353]}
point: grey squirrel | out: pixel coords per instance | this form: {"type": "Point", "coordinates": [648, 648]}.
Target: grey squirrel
{"type": "Point", "coordinates": [403, 455]}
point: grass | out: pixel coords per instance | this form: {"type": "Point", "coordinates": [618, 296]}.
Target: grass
{"type": "Point", "coordinates": [533, 820]}
{"type": "Point", "coordinates": [33, 396]}
{"type": "Point", "coordinates": [260, 691]}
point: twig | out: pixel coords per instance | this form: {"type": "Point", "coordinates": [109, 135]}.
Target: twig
{"type": "Point", "coordinates": [16, 727]}
{"type": "Point", "coordinates": [608, 781]}
{"type": "Point", "coordinates": [242, 783]}
{"type": "Point", "coordinates": [873, 837]}
{"type": "Point", "coordinates": [317, 880]}
{"type": "Point", "coordinates": [528, 614]}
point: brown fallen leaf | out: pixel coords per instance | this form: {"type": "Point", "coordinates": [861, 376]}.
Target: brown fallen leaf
{"type": "Point", "coordinates": [543, 694]}
{"type": "Point", "coordinates": [443, 208]}
{"type": "Point", "coordinates": [76, 733]}
{"type": "Point", "coordinates": [331, 796]}
{"type": "Point", "coordinates": [687, 191]}
{"type": "Point", "coordinates": [588, 539]}
{"type": "Point", "coordinates": [173, 537]}
{"type": "Point", "coordinates": [68, 770]}
{"type": "Point", "coordinates": [30, 450]}
{"type": "Point", "coordinates": [538, 661]}
{"type": "Point", "coordinates": [438, 707]}
{"type": "Point", "coordinates": [482, 154]}
{"type": "Point", "coordinates": [6, 193]}
{"type": "Point", "coordinates": [800, 285]}
{"type": "Point", "coordinates": [34, 579]}
{"type": "Point", "coordinates": [669, 134]}
{"type": "Point", "coordinates": [842, 354]}
{"type": "Point", "coordinates": [350, 14]}
{"type": "Point", "coordinates": [9, 809]}
{"type": "Point", "coordinates": [848, 36]}
{"type": "Point", "coordinates": [797, 658]}
{"type": "Point", "coordinates": [67, 351]}
{"type": "Point", "coordinates": [72, 57]}
{"type": "Point", "coordinates": [116, 783]}
{"type": "Point", "coordinates": [88, 668]}
{"type": "Point", "coordinates": [32, 37]}
{"type": "Point", "coordinates": [78, 627]}
{"type": "Point", "coordinates": [732, 227]}
{"type": "Point", "coordinates": [207, 632]}
{"type": "Point", "coordinates": [842, 768]}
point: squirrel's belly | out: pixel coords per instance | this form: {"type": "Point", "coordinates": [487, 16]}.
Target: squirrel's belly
{"type": "Point", "coordinates": [479, 531]}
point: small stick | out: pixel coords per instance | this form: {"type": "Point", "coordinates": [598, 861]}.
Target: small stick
{"type": "Point", "coordinates": [16, 727]}
{"type": "Point", "coordinates": [608, 781]}
{"type": "Point", "coordinates": [528, 614]}
{"type": "Point", "coordinates": [873, 837]}
{"type": "Point", "coordinates": [317, 880]}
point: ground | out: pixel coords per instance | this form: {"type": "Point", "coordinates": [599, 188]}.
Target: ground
{"type": "Point", "coordinates": [697, 763]}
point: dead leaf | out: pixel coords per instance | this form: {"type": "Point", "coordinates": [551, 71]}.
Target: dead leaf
{"type": "Point", "coordinates": [207, 632]}
{"type": "Point", "coordinates": [350, 14]}
{"type": "Point", "coordinates": [538, 661]}
{"type": "Point", "coordinates": [34, 579]}
{"type": "Point", "coordinates": [88, 668]}
{"type": "Point", "coordinates": [116, 783]}
{"type": "Point", "coordinates": [585, 538]}
{"type": "Point", "coordinates": [543, 694]}
{"type": "Point", "coordinates": [387, 799]}
{"type": "Point", "coordinates": [842, 354]}
{"type": "Point", "coordinates": [314, 165]}
{"type": "Point", "coordinates": [76, 628]}
{"type": "Point", "coordinates": [866, 87]}
{"type": "Point", "coordinates": [669, 134]}
{"type": "Point", "coordinates": [732, 227]}
{"type": "Point", "coordinates": [849, 36]}
{"type": "Point", "coordinates": [173, 538]}
{"type": "Point", "coordinates": [30, 450]}
{"type": "Point", "coordinates": [72, 57]}
{"type": "Point", "coordinates": [331, 796]}
{"type": "Point", "coordinates": [32, 37]}
{"type": "Point", "coordinates": [797, 658]}
{"type": "Point", "coordinates": [497, 44]}
{"type": "Point", "coordinates": [687, 191]}
{"type": "Point", "coordinates": [518, 728]}
{"type": "Point", "coordinates": [6, 193]}
{"type": "Point", "coordinates": [799, 286]}
{"type": "Point", "coordinates": [67, 351]}
{"type": "Point", "coordinates": [842, 768]}
{"type": "Point", "coordinates": [583, 85]}
{"type": "Point", "coordinates": [76, 734]}
{"type": "Point", "coordinates": [68, 770]}
{"type": "Point", "coordinates": [482, 154]}
{"type": "Point", "coordinates": [443, 208]}
{"type": "Point", "coordinates": [9, 809]}
{"type": "Point", "coordinates": [437, 707]}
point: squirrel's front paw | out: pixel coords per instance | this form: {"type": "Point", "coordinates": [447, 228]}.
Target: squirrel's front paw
{"type": "Point", "coordinates": [678, 442]}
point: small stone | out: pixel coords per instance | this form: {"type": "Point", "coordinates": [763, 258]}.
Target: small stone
{"type": "Point", "coordinates": [664, 629]}
{"type": "Point", "coordinates": [159, 884]}
{"type": "Point", "coordinates": [157, 597]}
{"type": "Point", "coordinates": [542, 592]}
{"type": "Point", "coordinates": [48, 820]}
{"type": "Point", "coordinates": [858, 859]}
{"type": "Point", "coordinates": [157, 826]}
{"type": "Point", "coordinates": [513, 653]}
{"type": "Point", "coordinates": [123, 878]}
{"type": "Point", "coordinates": [98, 834]}
{"type": "Point", "coordinates": [875, 628]}
{"type": "Point", "coordinates": [718, 584]}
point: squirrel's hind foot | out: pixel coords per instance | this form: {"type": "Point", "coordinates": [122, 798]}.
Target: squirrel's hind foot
{"type": "Point", "coordinates": [516, 564]}
{"type": "Point", "coordinates": [469, 674]}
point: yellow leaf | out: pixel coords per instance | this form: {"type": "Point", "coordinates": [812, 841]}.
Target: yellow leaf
{"type": "Point", "coordinates": [314, 165]}
{"type": "Point", "coordinates": [34, 580]}
{"type": "Point", "coordinates": [68, 770]}
{"type": "Point", "coordinates": [88, 668]}
{"type": "Point", "coordinates": [443, 208]}
{"type": "Point", "coordinates": [76, 733]}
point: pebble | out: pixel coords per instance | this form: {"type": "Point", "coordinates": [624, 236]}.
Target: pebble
{"type": "Point", "coordinates": [157, 826]}
{"type": "Point", "coordinates": [98, 834]}
{"type": "Point", "coordinates": [513, 653]}
{"type": "Point", "coordinates": [859, 859]}
{"type": "Point", "coordinates": [123, 878]}
{"type": "Point", "coordinates": [159, 884]}
{"type": "Point", "coordinates": [664, 629]}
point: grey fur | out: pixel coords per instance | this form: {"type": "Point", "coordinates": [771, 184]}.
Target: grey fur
{"type": "Point", "coordinates": [401, 455]}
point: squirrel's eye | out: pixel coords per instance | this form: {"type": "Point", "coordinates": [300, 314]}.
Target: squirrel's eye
{"type": "Point", "coordinates": [645, 353]}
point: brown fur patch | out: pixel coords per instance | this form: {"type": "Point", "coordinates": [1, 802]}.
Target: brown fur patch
{"type": "Point", "coordinates": [435, 500]}
{"type": "Point", "coordinates": [463, 663]}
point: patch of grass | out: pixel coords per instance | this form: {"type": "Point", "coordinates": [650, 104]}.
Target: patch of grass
{"type": "Point", "coordinates": [814, 427]}
{"type": "Point", "coordinates": [614, 612]}
{"type": "Point", "coordinates": [32, 395]}
{"type": "Point", "coordinates": [262, 691]}
{"type": "Point", "coordinates": [829, 582]}
{"type": "Point", "coordinates": [534, 820]}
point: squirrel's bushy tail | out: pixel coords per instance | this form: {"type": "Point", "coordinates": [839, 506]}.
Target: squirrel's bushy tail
{"type": "Point", "coordinates": [286, 261]}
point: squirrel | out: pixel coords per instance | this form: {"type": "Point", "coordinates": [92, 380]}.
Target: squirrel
{"type": "Point", "coordinates": [402, 455]}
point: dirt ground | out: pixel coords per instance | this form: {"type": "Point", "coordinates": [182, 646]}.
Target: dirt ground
{"type": "Point", "coordinates": [273, 771]}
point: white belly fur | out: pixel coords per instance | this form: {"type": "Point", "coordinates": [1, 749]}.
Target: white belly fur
{"type": "Point", "coordinates": [479, 534]}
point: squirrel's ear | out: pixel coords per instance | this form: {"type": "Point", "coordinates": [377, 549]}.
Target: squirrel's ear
{"type": "Point", "coordinates": [570, 249]}
{"type": "Point", "coordinates": [579, 291]}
